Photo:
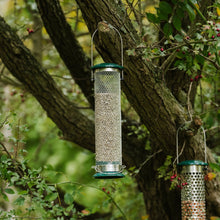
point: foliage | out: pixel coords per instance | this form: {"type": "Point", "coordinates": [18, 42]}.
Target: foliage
{"type": "Point", "coordinates": [39, 192]}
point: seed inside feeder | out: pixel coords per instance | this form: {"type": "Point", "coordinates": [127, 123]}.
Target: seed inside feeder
{"type": "Point", "coordinates": [108, 127]}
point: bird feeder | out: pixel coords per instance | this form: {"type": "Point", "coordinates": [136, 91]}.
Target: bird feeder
{"type": "Point", "coordinates": [193, 193]}
{"type": "Point", "coordinates": [107, 89]}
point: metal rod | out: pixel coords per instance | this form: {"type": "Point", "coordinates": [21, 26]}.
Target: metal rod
{"type": "Point", "coordinates": [122, 56]}
{"type": "Point", "coordinates": [177, 143]}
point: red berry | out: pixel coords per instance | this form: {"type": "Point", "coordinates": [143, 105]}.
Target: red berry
{"type": "Point", "coordinates": [13, 92]}
{"type": "Point", "coordinates": [184, 52]}
{"type": "Point", "coordinates": [104, 189]}
{"type": "Point", "coordinates": [177, 50]}
{"type": "Point", "coordinates": [187, 37]}
{"type": "Point", "coordinates": [196, 78]}
{"type": "Point", "coordinates": [218, 35]}
{"type": "Point", "coordinates": [213, 37]}
{"type": "Point", "coordinates": [200, 76]}
{"type": "Point", "coordinates": [29, 30]}
{"type": "Point", "coordinates": [161, 49]}
{"type": "Point", "coordinates": [209, 54]}
{"type": "Point", "coordinates": [108, 192]}
{"type": "Point", "coordinates": [213, 23]}
{"type": "Point", "coordinates": [191, 79]}
{"type": "Point", "coordinates": [217, 29]}
{"type": "Point", "coordinates": [186, 183]}
{"type": "Point", "coordinates": [22, 95]}
{"type": "Point", "coordinates": [22, 100]}
{"type": "Point", "coordinates": [172, 177]}
{"type": "Point", "coordinates": [183, 184]}
{"type": "Point", "coordinates": [179, 178]}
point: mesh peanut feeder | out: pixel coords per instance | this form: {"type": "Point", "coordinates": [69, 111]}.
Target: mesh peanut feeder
{"type": "Point", "coordinates": [107, 91]}
{"type": "Point", "coordinates": [193, 193]}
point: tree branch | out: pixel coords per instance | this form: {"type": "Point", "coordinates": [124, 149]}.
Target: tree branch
{"type": "Point", "coordinates": [70, 51]}
{"type": "Point", "coordinates": [74, 125]}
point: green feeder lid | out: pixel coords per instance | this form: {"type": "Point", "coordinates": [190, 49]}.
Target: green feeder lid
{"type": "Point", "coordinates": [192, 162]}
{"type": "Point", "coordinates": [108, 175]}
{"type": "Point", "coordinates": [107, 65]}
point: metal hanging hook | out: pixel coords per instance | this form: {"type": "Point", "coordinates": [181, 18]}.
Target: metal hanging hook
{"type": "Point", "coordinates": [121, 40]}
{"type": "Point", "coordinates": [177, 143]}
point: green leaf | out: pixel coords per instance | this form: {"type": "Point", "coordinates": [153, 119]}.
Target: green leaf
{"type": "Point", "coordinates": [5, 197]}
{"type": "Point", "coordinates": [15, 178]}
{"type": "Point", "coordinates": [178, 38]}
{"type": "Point", "coordinates": [215, 166]}
{"type": "Point", "coordinates": [131, 52]}
{"type": "Point", "coordinates": [152, 18]}
{"type": "Point", "coordinates": [68, 199]}
{"type": "Point", "coordinates": [19, 201]}
{"type": "Point", "coordinates": [1, 136]}
{"type": "Point", "coordinates": [69, 208]}
{"type": "Point", "coordinates": [9, 191]}
{"type": "Point", "coordinates": [177, 22]}
{"type": "Point", "coordinates": [180, 12]}
{"type": "Point", "coordinates": [24, 192]}
{"type": "Point", "coordinates": [168, 29]}
{"type": "Point", "coordinates": [51, 197]}
{"type": "Point", "coordinates": [165, 8]}
{"type": "Point", "coordinates": [3, 157]}
{"type": "Point", "coordinates": [191, 12]}
{"type": "Point", "coordinates": [132, 168]}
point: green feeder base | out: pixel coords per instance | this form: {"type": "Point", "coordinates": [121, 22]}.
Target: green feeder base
{"type": "Point", "coordinates": [108, 175]}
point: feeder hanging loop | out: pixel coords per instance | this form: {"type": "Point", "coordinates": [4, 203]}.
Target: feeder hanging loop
{"type": "Point", "coordinates": [122, 56]}
{"type": "Point", "coordinates": [177, 143]}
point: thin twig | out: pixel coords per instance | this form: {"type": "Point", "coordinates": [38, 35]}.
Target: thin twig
{"type": "Point", "coordinates": [166, 64]}
{"type": "Point", "coordinates": [2, 124]}
{"type": "Point", "coordinates": [5, 149]}
{"type": "Point", "coordinates": [58, 196]}
{"type": "Point", "coordinates": [147, 159]}
{"type": "Point", "coordinates": [201, 96]}
{"type": "Point", "coordinates": [77, 19]}
{"type": "Point", "coordinates": [211, 61]}
{"type": "Point", "coordinates": [140, 17]}
{"type": "Point", "coordinates": [197, 10]}
{"type": "Point", "coordinates": [188, 100]}
{"type": "Point", "coordinates": [94, 187]}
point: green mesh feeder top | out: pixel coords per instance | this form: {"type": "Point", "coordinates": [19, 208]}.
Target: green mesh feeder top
{"type": "Point", "coordinates": [192, 162]}
{"type": "Point", "coordinates": [107, 65]}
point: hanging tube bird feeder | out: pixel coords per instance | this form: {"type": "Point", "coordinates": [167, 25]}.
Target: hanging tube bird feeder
{"type": "Point", "coordinates": [107, 91]}
{"type": "Point", "coordinates": [193, 193]}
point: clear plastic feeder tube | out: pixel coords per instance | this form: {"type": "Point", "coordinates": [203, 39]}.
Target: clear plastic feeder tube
{"type": "Point", "coordinates": [108, 144]}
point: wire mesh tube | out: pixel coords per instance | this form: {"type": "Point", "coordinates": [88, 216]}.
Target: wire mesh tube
{"type": "Point", "coordinates": [108, 120]}
{"type": "Point", "coordinates": [193, 194]}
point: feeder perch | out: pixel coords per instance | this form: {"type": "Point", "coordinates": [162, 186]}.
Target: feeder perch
{"type": "Point", "coordinates": [193, 204]}
{"type": "Point", "coordinates": [107, 89]}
